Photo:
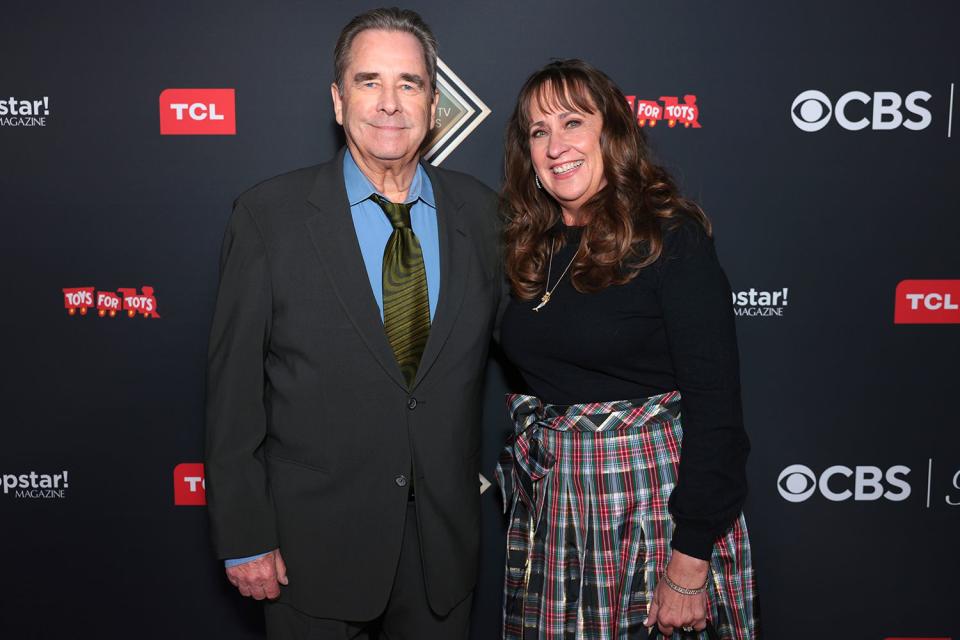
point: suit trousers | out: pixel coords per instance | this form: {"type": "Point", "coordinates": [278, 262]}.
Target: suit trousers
{"type": "Point", "coordinates": [407, 616]}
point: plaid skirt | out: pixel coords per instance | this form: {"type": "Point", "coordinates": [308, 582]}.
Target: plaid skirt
{"type": "Point", "coordinates": [587, 488]}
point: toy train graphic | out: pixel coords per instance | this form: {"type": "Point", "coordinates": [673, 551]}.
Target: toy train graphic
{"type": "Point", "coordinates": [669, 109]}
{"type": "Point", "coordinates": [80, 300]}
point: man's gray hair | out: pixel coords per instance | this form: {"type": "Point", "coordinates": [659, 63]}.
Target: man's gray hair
{"type": "Point", "coordinates": [386, 19]}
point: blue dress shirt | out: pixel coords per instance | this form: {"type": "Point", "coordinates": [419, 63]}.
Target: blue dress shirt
{"type": "Point", "coordinates": [374, 229]}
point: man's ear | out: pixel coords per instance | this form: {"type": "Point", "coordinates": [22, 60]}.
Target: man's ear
{"type": "Point", "coordinates": [433, 108]}
{"type": "Point", "coordinates": [337, 102]}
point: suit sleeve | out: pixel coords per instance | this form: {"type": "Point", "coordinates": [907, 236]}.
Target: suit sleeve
{"type": "Point", "coordinates": [238, 495]}
{"type": "Point", "coordinates": [701, 334]}
{"type": "Point", "coordinates": [500, 222]}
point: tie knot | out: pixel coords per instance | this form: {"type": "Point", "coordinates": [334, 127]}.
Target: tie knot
{"type": "Point", "coordinates": [398, 214]}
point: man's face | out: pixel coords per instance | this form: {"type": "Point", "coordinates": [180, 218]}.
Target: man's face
{"type": "Point", "coordinates": [387, 106]}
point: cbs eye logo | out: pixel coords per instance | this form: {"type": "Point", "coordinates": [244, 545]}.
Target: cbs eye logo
{"type": "Point", "coordinates": [796, 483]}
{"type": "Point", "coordinates": [811, 110]}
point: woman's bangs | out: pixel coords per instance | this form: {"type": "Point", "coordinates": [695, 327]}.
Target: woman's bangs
{"type": "Point", "coordinates": [556, 94]}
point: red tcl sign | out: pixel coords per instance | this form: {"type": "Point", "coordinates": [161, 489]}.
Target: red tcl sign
{"type": "Point", "coordinates": [198, 112]}
{"type": "Point", "coordinates": [927, 302]}
{"type": "Point", "coordinates": [188, 484]}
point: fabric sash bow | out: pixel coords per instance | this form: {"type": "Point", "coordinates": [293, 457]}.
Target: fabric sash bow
{"type": "Point", "coordinates": [525, 459]}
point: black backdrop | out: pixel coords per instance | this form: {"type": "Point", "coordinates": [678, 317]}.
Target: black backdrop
{"type": "Point", "coordinates": [93, 196]}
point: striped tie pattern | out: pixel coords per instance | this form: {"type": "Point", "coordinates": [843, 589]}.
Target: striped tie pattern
{"type": "Point", "coordinates": [406, 303]}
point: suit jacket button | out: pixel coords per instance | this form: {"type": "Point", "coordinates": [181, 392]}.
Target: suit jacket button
{"type": "Point", "coordinates": [401, 480]}
{"type": "Point", "coordinates": [411, 403]}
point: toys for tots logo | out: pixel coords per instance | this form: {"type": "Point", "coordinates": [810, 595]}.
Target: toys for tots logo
{"type": "Point", "coordinates": [203, 112]}
{"type": "Point", "coordinates": [34, 485]}
{"type": "Point", "coordinates": [79, 300]}
{"type": "Point", "coordinates": [927, 302]}
{"type": "Point", "coordinates": [758, 303]}
{"type": "Point", "coordinates": [18, 112]}
{"type": "Point", "coordinates": [668, 109]}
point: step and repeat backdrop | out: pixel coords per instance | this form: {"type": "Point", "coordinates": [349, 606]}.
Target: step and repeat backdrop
{"type": "Point", "coordinates": [819, 137]}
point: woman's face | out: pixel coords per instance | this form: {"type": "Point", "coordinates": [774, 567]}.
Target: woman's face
{"type": "Point", "coordinates": [565, 152]}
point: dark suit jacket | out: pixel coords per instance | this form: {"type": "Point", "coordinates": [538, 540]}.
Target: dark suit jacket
{"type": "Point", "coordinates": [309, 422]}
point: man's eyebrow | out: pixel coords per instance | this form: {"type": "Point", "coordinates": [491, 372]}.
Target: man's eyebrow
{"type": "Point", "coordinates": [364, 76]}
{"type": "Point", "coordinates": [414, 78]}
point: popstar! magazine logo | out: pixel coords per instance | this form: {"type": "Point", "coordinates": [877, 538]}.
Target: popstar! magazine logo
{"type": "Point", "coordinates": [20, 112]}
{"type": "Point", "coordinates": [756, 303]}
{"type": "Point", "coordinates": [669, 109]}
{"type": "Point", "coordinates": [36, 486]}
{"type": "Point", "coordinates": [80, 300]}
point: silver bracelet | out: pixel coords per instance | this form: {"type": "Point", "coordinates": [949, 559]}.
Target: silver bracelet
{"type": "Point", "coordinates": [683, 590]}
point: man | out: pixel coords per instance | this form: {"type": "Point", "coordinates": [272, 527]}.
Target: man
{"type": "Point", "coordinates": [346, 363]}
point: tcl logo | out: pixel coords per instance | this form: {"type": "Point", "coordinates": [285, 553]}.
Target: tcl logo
{"type": "Point", "coordinates": [927, 302]}
{"type": "Point", "coordinates": [189, 487]}
{"type": "Point", "coordinates": [856, 110]}
{"type": "Point", "coordinates": [198, 112]}
{"type": "Point", "coordinates": [838, 483]}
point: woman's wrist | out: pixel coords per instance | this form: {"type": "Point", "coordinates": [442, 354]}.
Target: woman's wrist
{"type": "Point", "coordinates": [686, 591]}
{"type": "Point", "coordinates": [686, 572]}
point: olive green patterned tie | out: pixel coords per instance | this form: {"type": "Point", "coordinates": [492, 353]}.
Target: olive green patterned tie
{"type": "Point", "coordinates": [406, 303]}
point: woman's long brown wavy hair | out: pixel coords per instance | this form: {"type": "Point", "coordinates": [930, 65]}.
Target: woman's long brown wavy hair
{"type": "Point", "coordinates": [623, 232]}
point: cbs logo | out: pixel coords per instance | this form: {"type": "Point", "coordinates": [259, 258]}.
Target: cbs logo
{"type": "Point", "coordinates": [798, 483]}
{"type": "Point", "coordinates": [811, 110]}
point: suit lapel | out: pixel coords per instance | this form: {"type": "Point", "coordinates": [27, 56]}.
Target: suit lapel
{"type": "Point", "coordinates": [454, 269]}
{"type": "Point", "coordinates": [335, 239]}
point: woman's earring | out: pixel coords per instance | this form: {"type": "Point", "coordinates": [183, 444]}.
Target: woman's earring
{"type": "Point", "coordinates": [537, 180]}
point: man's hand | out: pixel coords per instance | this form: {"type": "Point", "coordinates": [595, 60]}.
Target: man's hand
{"type": "Point", "coordinates": [671, 611]}
{"type": "Point", "coordinates": [260, 578]}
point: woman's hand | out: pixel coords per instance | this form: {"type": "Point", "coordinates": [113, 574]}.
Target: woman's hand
{"type": "Point", "coordinates": [672, 611]}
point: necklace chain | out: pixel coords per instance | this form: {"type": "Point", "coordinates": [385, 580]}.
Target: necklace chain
{"type": "Point", "coordinates": [547, 291]}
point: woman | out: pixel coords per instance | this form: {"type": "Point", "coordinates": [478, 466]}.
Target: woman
{"type": "Point", "coordinates": [621, 324]}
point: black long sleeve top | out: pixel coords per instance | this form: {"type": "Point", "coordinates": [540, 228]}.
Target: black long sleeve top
{"type": "Point", "coordinates": [669, 328]}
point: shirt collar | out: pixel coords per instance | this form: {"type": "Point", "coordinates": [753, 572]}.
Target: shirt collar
{"type": "Point", "coordinates": [359, 187]}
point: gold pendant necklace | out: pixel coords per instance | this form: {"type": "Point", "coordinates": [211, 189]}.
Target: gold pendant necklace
{"type": "Point", "coordinates": [547, 291]}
